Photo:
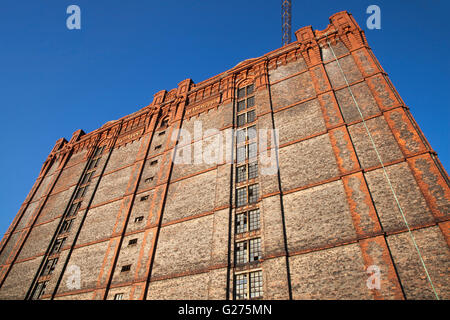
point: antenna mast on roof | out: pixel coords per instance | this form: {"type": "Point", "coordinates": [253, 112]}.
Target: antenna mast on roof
{"type": "Point", "coordinates": [286, 11]}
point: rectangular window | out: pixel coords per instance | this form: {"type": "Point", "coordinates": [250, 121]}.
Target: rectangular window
{"type": "Point", "coordinates": [253, 193]}
{"type": "Point", "coordinates": [253, 218]}
{"type": "Point", "coordinates": [252, 170]}
{"type": "Point", "coordinates": [126, 268]}
{"type": "Point", "coordinates": [250, 102]}
{"type": "Point", "coordinates": [73, 209]}
{"type": "Point", "coordinates": [80, 192]}
{"type": "Point", "coordinates": [139, 219]}
{"type": "Point", "coordinates": [241, 154]}
{"type": "Point", "coordinates": [241, 93]}
{"type": "Point", "coordinates": [149, 180]}
{"type": "Point", "coordinates": [241, 252]}
{"type": "Point", "coordinates": [49, 267]}
{"type": "Point", "coordinates": [240, 287]}
{"type": "Point", "coordinates": [58, 245]}
{"type": "Point", "coordinates": [251, 132]}
{"type": "Point", "coordinates": [241, 174]}
{"type": "Point", "coordinates": [250, 89]}
{"type": "Point", "coordinates": [241, 197]}
{"type": "Point", "coordinates": [161, 133]}
{"type": "Point", "coordinates": [240, 136]}
{"type": "Point", "coordinates": [255, 249]}
{"type": "Point", "coordinates": [144, 198]}
{"type": "Point", "coordinates": [153, 162]}
{"type": "Point", "coordinates": [118, 296]}
{"type": "Point", "coordinates": [241, 105]}
{"type": "Point", "coordinates": [132, 242]}
{"type": "Point", "coordinates": [158, 147]}
{"type": "Point", "coordinates": [241, 120]}
{"type": "Point", "coordinates": [251, 116]}
{"type": "Point", "coordinates": [241, 223]}
{"type": "Point", "coordinates": [39, 290]}
{"type": "Point", "coordinates": [67, 224]}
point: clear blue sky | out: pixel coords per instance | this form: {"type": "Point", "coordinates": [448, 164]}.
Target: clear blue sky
{"type": "Point", "coordinates": [54, 81]}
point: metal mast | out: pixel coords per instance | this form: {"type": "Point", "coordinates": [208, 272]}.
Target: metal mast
{"type": "Point", "coordinates": [286, 7]}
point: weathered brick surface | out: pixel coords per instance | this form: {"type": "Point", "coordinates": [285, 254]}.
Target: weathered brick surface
{"type": "Point", "coordinates": [112, 186]}
{"type": "Point", "coordinates": [182, 202]}
{"type": "Point", "coordinates": [436, 256]}
{"type": "Point", "coordinates": [384, 141]}
{"type": "Point", "coordinates": [6, 257]}
{"type": "Point", "coordinates": [292, 90]}
{"type": "Point", "coordinates": [123, 155]}
{"type": "Point", "coordinates": [336, 273]}
{"type": "Point", "coordinates": [19, 280]}
{"type": "Point", "coordinates": [27, 216]}
{"type": "Point", "coordinates": [349, 69]}
{"type": "Point", "coordinates": [275, 279]}
{"type": "Point", "coordinates": [408, 193]}
{"type": "Point", "coordinates": [307, 162]}
{"type": "Point", "coordinates": [271, 220]}
{"type": "Point", "coordinates": [338, 47]}
{"type": "Point", "coordinates": [184, 246]}
{"type": "Point", "coordinates": [55, 206]}
{"type": "Point", "coordinates": [193, 287]}
{"type": "Point", "coordinates": [364, 99]}
{"type": "Point", "coordinates": [317, 217]}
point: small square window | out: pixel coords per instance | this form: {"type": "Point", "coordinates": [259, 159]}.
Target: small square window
{"type": "Point", "coordinates": [158, 147]}
{"type": "Point", "coordinates": [144, 198]}
{"type": "Point", "coordinates": [139, 219]}
{"type": "Point", "coordinates": [132, 242]}
{"type": "Point", "coordinates": [149, 180]}
{"type": "Point", "coordinates": [161, 133]}
{"type": "Point", "coordinates": [126, 268]}
{"type": "Point", "coordinates": [154, 162]}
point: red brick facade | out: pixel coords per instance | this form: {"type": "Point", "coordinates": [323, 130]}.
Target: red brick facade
{"type": "Point", "coordinates": [325, 216]}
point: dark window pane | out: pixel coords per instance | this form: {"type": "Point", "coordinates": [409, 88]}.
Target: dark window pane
{"type": "Point", "coordinates": [241, 223]}
{"type": "Point", "coordinates": [241, 120]}
{"type": "Point", "coordinates": [253, 193]}
{"type": "Point", "coordinates": [250, 89]}
{"type": "Point", "coordinates": [241, 93]}
{"type": "Point", "coordinates": [250, 102]}
{"type": "Point", "coordinates": [241, 252]}
{"type": "Point", "coordinates": [255, 249]}
{"type": "Point", "coordinates": [240, 287]}
{"type": "Point", "coordinates": [251, 116]}
{"type": "Point", "coordinates": [241, 105]}
{"type": "Point", "coordinates": [252, 170]}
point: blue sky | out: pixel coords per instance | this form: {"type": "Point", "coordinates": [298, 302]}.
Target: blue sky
{"type": "Point", "coordinates": [54, 81]}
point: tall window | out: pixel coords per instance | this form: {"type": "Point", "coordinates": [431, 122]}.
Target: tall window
{"type": "Point", "coordinates": [248, 285]}
{"type": "Point", "coordinates": [248, 251]}
{"type": "Point", "coordinates": [247, 221]}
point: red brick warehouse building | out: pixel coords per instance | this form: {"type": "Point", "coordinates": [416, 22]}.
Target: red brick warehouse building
{"type": "Point", "coordinates": [113, 215]}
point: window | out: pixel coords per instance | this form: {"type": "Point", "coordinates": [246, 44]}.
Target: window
{"type": "Point", "coordinates": [118, 296]}
{"type": "Point", "coordinates": [49, 267]}
{"type": "Point", "coordinates": [86, 178]}
{"type": "Point", "coordinates": [161, 133]}
{"type": "Point", "coordinates": [158, 147]}
{"type": "Point", "coordinates": [241, 223]}
{"type": "Point", "coordinates": [241, 154]}
{"type": "Point", "coordinates": [164, 123]}
{"type": "Point", "coordinates": [241, 173]}
{"type": "Point", "coordinates": [66, 226]}
{"type": "Point", "coordinates": [254, 221]}
{"type": "Point", "coordinates": [240, 287]}
{"type": "Point", "coordinates": [153, 162]}
{"type": "Point", "coordinates": [244, 98]}
{"type": "Point", "coordinates": [58, 245]}
{"type": "Point", "coordinates": [248, 251]}
{"type": "Point", "coordinates": [251, 116]}
{"type": "Point", "coordinates": [144, 198]}
{"type": "Point", "coordinates": [126, 268]}
{"type": "Point", "coordinates": [248, 283]}
{"type": "Point", "coordinates": [149, 180]}
{"type": "Point", "coordinates": [253, 193]}
{"type": "Point", "coordinates": [240, 136]}
{"type": "Point", "coordinates": [39, 290]}
{"type": "Point", "coordinates": [132, 242]}
{"type": "Point", "coordinates": [241, 196]}
{"type": "Point", "coordinates": [247, 221]}
{"type": "Point", "coordinates": [73, 209]}
{"type": "Point", "coordinates": [252, 170]}
{"type": "Point", "coordinates": [139, 219]}
{"type": "Point", "coordinates": [256, 284]}
{"type": "Point", "coordinates": [255, 249]}
{"type": "Point", "coordinates": [251, 132]}
{"type": "Point", "coordinates": [241, 252]}
{"type": "Point", "coordinates": [80, 192]}
{"type": "Point", "coordinates": [241, 120]}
